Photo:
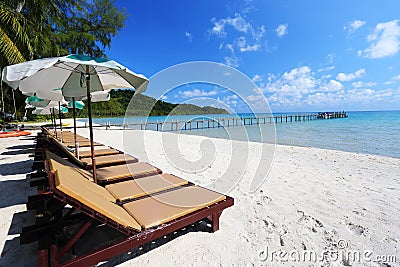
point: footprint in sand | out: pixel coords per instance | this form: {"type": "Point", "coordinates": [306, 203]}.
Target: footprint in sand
{"type": "Point", "coordinates": [358, 213]}
{"type": "Point", "coordinates": [311, 223]}
{"type": "Point", "coordinates": [356, 229]}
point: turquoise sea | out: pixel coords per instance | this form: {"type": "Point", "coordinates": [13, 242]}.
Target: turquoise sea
{"type": "Point", "coordinates": [370, 132]}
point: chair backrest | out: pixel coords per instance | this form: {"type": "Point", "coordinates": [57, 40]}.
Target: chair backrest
{"type": "Point", "coordinates": [92, 196]}
{"type": "Point", "coordinates": [71, 156]}
{"type": "Point", "coordinates": [45, 130]}
{"type": "Point", "coordinates": [50, 155]}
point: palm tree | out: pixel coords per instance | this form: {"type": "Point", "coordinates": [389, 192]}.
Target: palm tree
{"type": "Point", "coordinates": [15, 44]}
{"type": "Point", "coordinates": [25, 30]}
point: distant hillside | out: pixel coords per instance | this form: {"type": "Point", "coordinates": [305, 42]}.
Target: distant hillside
{"type": "Point", "coordinates": [141, 105]}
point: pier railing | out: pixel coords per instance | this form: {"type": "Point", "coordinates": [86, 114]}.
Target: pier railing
{"type": "Point", "coordinates": [207, 123]}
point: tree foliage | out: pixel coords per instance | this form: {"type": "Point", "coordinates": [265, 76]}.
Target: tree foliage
{"type": "Point", "coordinates": [87, 27]}
{"type": "Point", "coordinates": [31, 29]}
{"type": "Point", "coordinates": [141, 105]}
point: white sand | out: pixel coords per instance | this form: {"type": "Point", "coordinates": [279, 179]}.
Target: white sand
{"type": "Point", "coordinates": [312, 199]}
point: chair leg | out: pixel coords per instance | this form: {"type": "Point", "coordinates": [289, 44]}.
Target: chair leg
{"type": "Point", "coordinates": [43, 252]}
{"type": "Point", "coordinates": [43, 258]}
{"type": "Point", "coordinates": [215, 221]}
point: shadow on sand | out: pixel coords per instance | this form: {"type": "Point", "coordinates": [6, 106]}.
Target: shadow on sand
{"type": "Point", "coordinates": [21, 147]}
{"type": "Point", "coordinates": [20, 167]}
{"type": "Point", "coordinates": [15, 254]}
{"type": "Point", "coordinates": [14, 192]}
{"type": "Point", "coordinates": [201, 226]}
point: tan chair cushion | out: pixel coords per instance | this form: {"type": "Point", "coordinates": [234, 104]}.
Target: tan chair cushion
{"type": "Point", "coordinates": [72, 140]}
{"type": "Point", "coordinates": [85, 173]}
{"type": "Point", "coordinates": [62, 146]}
{"type": "Point", "coordinates": [50, 155]}
{"type": "Point", "coordinates": [73, 175]}
{"type": "Point", "coordinates": [162, 208]}
{"type": "Point", "coordinates": [98, 152]}
{"type": "Point", "coordinates": [109, 159]}
{"type": "Point", "coordinates": [88, 148]}
{"type": "Point", "coordinates": [83, 144]}
{"type": "Point", "coordinates": [133, 170]}
{"type": "Point", "coordinates": [95, 201]}
{"type": "Point", "coordinates": [144, 186]}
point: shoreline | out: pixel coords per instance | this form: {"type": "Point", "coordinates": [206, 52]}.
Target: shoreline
{"type": "Point", "coordinates": [113, 128]}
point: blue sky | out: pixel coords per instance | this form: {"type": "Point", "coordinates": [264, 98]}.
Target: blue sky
{"type": "Point", "coordinates": [303, 55]}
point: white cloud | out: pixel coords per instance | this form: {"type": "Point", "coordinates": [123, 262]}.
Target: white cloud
{"type": "Point", "coordinates": [230, 100]}
{"type": "Point", "coordinates": [393, 80]}
{"type": "Point", "coordinates": [197, 93]}
{"type": "Point", "coordinates": [328, 68]}
{"type": "Point", "coordinates": [384, 40]}
{"type": "Point", "coordinates": [243, 46]}
{"type": "Point", "coordinates": [256, 78]}
{"type": "Point", "coordinates": [361, 84]}
{"type": "Point", "coordinates": [237, 22]}
{"type": "Point", "coordinates": [250, 48]}
{"type": "Point", "coordinates": [232, 61]}
{"type": "Point", "coordinates": [164, 97]}
{"type": "Point", "coordinates": [189, 36]}
{"type": "Point", "coordinates": [332, 86]}
{"type": "Point", "coordinates": [301, 88]}
{"type": "Point", "coordinates": [351, 76]}
{"type": "Point", "coordinates": [254, 98]}
{"type": "Point", "coordinates": [230, 48]}
{"type": "Point", "coordinates": [258, 33]}
{"type": "Point", "coordinates": [330, 58]}
{"type": "Point", "coordinates": [281, 30]}
{"type": "Point", "coordinates": [293, 84]}
{"type": "Point", "coordinates": [240, 34]}
{"type": "Point", "coordinates": [354, 25]}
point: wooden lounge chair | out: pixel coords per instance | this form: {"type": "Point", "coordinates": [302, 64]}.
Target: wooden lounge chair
{"type": "Point", "coordinates": [86, 163]}
{"type": "Point", "coordinates": [110, 174]}
{"type": "Point", "coordinates": [68, 138]}
{"type": "Point", "coordinates": [93, 207]}
{"type": "Point", "coordinates": [132, 189]}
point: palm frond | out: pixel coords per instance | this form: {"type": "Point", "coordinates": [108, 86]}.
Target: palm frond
{"type": "Point", "coordinates": [16, 26]}
{"type": "Point", "coordinates": [9, 50]}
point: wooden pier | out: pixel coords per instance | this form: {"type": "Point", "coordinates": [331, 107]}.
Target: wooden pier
{"type": "Point", "coordinates": [197, 124]}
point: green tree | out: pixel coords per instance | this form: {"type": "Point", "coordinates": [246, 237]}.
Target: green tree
{"type": "Point", "coordinates": [87, 27]}
{"type": "Point", "coordinates": [44, 28]}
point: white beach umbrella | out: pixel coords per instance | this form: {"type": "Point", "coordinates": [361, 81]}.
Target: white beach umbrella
{"type": "Point", "coordinates": [76, 76]}
{"type": "Point", "coordinates": [48, 110]}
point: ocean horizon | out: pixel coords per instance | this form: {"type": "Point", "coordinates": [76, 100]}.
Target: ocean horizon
{"type": "Point", "coordinates": [367, 132]}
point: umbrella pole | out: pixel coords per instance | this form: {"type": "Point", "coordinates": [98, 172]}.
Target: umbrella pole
{"type": "Point", "coordinates": [74, 115]}
{"type": "Point", "coordinates": [59, 116]}
{"type": "Point", "coordinates": [2, 102]}
{"type": "Point", "coordinates": [90, 124]}
{"type": "Point", "coordinates": [51, 116]}
{"type": "Point", "coordinates": [55, 123]}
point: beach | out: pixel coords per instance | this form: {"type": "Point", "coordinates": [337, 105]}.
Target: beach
{"type": "Point", "coordinates": [313, 200]}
